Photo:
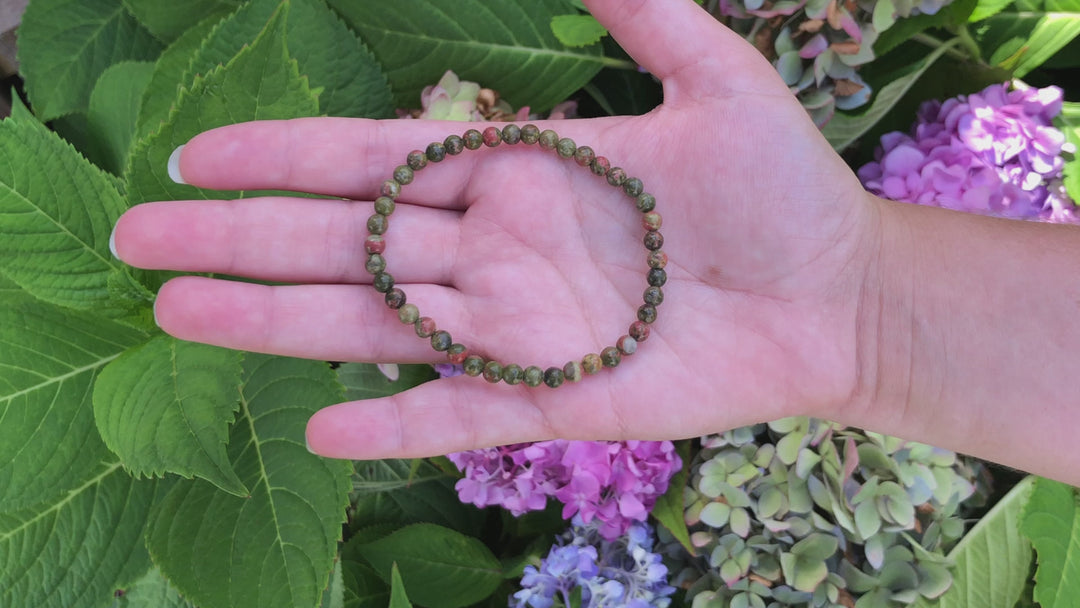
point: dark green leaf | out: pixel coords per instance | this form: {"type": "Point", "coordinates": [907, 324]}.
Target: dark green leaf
{"type": "Point", "coordinates": [275, 548]}
{"type": "Point", "coordinates": [577, 30]}
{"type": "Point", "coordinates": [169, 20]}
{"type": "Point", "coordinates": [1021, 42]}
{"type": "Point", "coordinates": [955, 14]}
{"type": "Point", "coordinates": [505, 45]}
{"type": "Point", "coordinates": [669, 509]}
{"type": "Point", "coordinates": [365, 381]}
{"type": "Point", "coordinates": [1051, 520]}
{"type": "Point", "coordinates": [442, 568]}
{"type": "Point", "coordinates": [398, 597]}
{"type": "Point", "coordinates": [384, 492]}
{"type": "Point", "coordinates": [114, 106]}
{"type": "Point", "coordinates": [364, 588]}
{"type": "Point", "coordinates": [64, 45]}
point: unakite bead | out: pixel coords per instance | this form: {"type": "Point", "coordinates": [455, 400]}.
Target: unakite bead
{"type": "Point", "coordinates": [573, 371]}
{"type": "Point", "coordinates": [653, 240]}
{"type": "Point", "coordinates": [639, 330]}
{"type": "Point", "coordinates": [645, 202]}
{"type": "Point", "coordinates": [610, 356]}
{"type": "Point", "coordinates": [591, 363]}
{"type": "Point", "coordinates": [584, 156]}
{"type": "Point", "coordinates": [403, 174]}
{"type": "Point", "coordinates": [652, 221]}
{"type": "Point", "coordinates": [425, 326]}
{"type": "Point", "coordinates": [384, 205]}
{"type": "Point", "coordinates": [566, 147]}
{"type": "Point", "coordinates": [395, 298]}
{"type": "Point", "coordinates": [408, 313]}
{"type": "Point", "coordinates": [383, 282]}
{"type": "Point", "coordinates": [616, 176]}
{"type": "Point", "coordinates": [646, 313]}
{"type": "Point", "coordinates": [656, 277]}
{"type": "Point", "coordinates": [492, 137]}
{"type": "Point", "coordinates": [376, 224]}
{"type": "Point", "coordinates": [416, 160]}
{"type": "Point", "coordinates": [653, 295]}
{"type": "Point", "coordinates": [390, 188]}
{"type": "Point", "coordinates": [435, 152]}
{"type": "Point", "coordinates": [553, 377]}
{"type": "Point", "coordinates": [440, 340]}
{"type": "Point", "coordinates": [548, 139]}
{"type": "Point", "coordinates": [530, 134]}
{"type": "Point", "coordinates": [513, 374]}
{"type": "Point", "coordinates": [473, 139]}
{"type": "Point", "coordinates": [374, 243]}
{"type": "Point", "coordinates": [492, 371]}
{"type": "Point", "coordinates": [511, 134]}
{"type": "Point", "coordinates": [626, 345]}
{"type": "Point", "coordinates": [534, 376]}
{"type": "Point", "coordinates": [633, 186]}
{"type": "Point", "coordinates": [600, 165]}
{"type": "Point", "coordinates": [657, 259]}
{"type": "Point", "coordinates": [375, 263]}
{"type": "Point", "coordinates": [473, 365]}
{"type": "Point", "coordinates": [457, 353]}
{"type": "Point", "coordinates": [454, 145]}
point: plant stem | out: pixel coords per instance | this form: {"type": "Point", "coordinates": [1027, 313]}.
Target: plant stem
{"type": "Point", "coordinates": [932, 42]}
{"type": "Point", "coordinates": [622, 64]}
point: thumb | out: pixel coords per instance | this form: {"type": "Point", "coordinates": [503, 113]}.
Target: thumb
{"type": "Point", "coordinates": [687, 48]}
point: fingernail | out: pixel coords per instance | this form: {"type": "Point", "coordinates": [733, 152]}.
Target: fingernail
{"type": "Point", "coordinates": [174, 166]}
{"type": "Point", "coordinates": [112, 243]}
{"type": "Point", "coordinates": [308, 446]}
{"type": "Point", "coordinates": [156, 322]}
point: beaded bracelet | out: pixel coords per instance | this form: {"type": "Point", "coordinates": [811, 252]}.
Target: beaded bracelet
{"type": "Point", "coordinates": [475, 365]}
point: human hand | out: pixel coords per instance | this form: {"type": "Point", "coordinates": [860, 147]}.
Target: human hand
{"type": "Point", "coordinates": [533, 260]}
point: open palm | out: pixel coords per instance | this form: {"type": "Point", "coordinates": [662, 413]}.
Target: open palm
{"type": "Point", "coordinates": [532, 260]}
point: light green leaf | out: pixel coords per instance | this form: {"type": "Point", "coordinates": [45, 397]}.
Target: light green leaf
{"type": "Point", "coordinates": [505, 45]}
{"type": "Point", "coordinates": [951, 16]}
{"type": "Point", "coordinates": [365, 381]}
{"type": "Point", "coordinates": [64, 45]}
{"type": "Point", "coordinates": [153, 591]}
{"type": "Point", "coordinates": [166, 406]}
{"type": "Point", "coordinates": [169, 20]}
{"type": "Point", "coordinates": [987, 8]}
{"type": "Point", "coordinates": [992, 560]}
{"type": "Point", "coordinates": [442, 568]}
{"type": "Point", "coordinates": [1051, 521]}
{"type": "Point", "coordinates": [1069, 122]}
{"type": "Point", "coordinates": [670, 509]}
{"type": "Point", "coordinates": [275, 548]}
{"type": "Point", "coordinates": [334, 594]}
{"type": "Point", "coordinates": [114, 105]}
{"type": "Point", "coordinates": [74, 550]}
{"type": "Point", "coordinates": [262, 82]}
{"type": "Point", "coordinates": [1022, 41]}
{"type": "Point", "coordinates": [844, 129]}
{"type": "Point", "coordinates": [577, 30]}
{"type": "Point", "coordinates": [49, 358]}
{"type": "Point", "coordinates": [398, 597]}
{"type": "Point", "coordinates": [56, 214]}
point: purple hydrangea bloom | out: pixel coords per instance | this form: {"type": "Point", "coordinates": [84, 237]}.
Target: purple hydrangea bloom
{"type": "Point", "coordinates": [995, 152]}
{"type": "Point", "coordinates": [609, 573]}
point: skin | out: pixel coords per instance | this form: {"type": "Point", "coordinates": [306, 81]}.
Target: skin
{"type": "Point", "coordinates": [791, 291]}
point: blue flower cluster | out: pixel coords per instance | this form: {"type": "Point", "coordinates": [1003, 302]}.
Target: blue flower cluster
{"type": "Point", "coordinates": [603, 574]}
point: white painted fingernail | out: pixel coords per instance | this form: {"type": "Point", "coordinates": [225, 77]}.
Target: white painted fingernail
{"type": "Point", "coordinates": [112, 243]}
{"type": "Point", "coordinates": [174, 166]}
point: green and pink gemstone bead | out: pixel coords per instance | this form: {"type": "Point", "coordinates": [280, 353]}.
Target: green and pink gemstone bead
{"type": "Point", "coordinates": [477, 365]}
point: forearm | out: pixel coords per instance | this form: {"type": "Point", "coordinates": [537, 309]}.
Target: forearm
{"type": "Point", "coordinates": [970, 336]}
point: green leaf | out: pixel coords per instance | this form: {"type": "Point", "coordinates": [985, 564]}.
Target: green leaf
{"type": "Point", "coordinates": [363, 586]}
{"type": "Point", "coordinates": [114, 106]}
{"type": "Point", "coordinates": [384, 492]}
{"type": "Point", "coordinates": [1021, 42]}
{"type": "Point", "coordinates": [577, 30]}
{"type": "Point", "coordinates": [275, 548]}
{"type": "Point", "coordinates": [987, 8]}
{"type": "Point", "coordinates": [1069, 122]}
{"type": "Point", "coordinates": [64, 45]}
{"type": "Point", "coordinates": [56, 214]}
{"type": "Point", "coordinates": [166, 406]}
{"type": "Point", "coordinates": [505, 45]}
{"type": "Point", "coordinates": [334, 594]}
{"type": "Point", "coordinates": [169, 20]}
{"type": "Point", "coordinates": [441, 567]}
{"type": "Point", "coordinates": [992, 559]}
{"type": "Point", "coordinates": [1051, 521]}
{"type": "Point", "coordinates": [844, 129]}
{"type": "Point", "coordinates": [365, 381]}
{"type": "Point", "coordinates": [49, 358]}
{"type": "Point", "coordinates": [74, 550]}
{"type": "Point", "coordinates": [669, 509]}
{"type": "Point", "coordinates": [262, 82]}
{"type": "Point", "coordinates": [953, 15]}
{"type": "Point", "coordinates": [153, 591]}
{"type": "Point", "coordinates": [398, 597]}
{"type": "Point", "coordinates": [168, 77]}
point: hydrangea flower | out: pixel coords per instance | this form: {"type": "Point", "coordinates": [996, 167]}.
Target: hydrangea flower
{"type": "Point", "coordinates": [609, 573]}
{"type": "Point", "coordinates": [995, 152]}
